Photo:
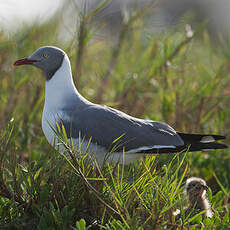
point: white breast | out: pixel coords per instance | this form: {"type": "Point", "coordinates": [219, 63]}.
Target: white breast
{"type": "Point", "coordinates": [49, 119]}
{"type": "Point", "coordinates": [58, 90]}
{"type": "Point", "coordinates": [49, 124]}
{"type": "Point", "coordinates": [53, 113]}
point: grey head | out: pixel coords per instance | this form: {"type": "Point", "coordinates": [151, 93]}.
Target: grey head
{"type": "Point", "coordinates": [195, 187]}
{"type": "Point", "coordinates": [47, 58]}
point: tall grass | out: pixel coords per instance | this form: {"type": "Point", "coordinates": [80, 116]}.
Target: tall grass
{"type": "Point", "coordinates": [171, 77]}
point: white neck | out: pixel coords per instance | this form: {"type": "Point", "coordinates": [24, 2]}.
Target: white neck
{"type": "Point", "coordinates": [60, 88]}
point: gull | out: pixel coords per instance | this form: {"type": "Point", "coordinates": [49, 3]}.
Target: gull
{"type": "Point", "coordinates": [100, 130]}
{"type": "Point", "coordinates": [195, 190]}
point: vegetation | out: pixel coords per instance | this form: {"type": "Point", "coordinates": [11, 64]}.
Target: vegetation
{"type": "Point", "coordinates": [176, 77]}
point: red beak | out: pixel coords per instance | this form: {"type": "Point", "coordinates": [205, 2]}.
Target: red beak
{"type": "Point", "coordinates": [24, 61]}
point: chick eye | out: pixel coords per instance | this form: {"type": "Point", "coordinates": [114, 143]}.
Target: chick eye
{"type": "Point", "coordinates": [45, 55]}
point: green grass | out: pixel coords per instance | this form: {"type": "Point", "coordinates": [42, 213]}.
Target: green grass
{"type": "Point", "coordinates": [169, 77]}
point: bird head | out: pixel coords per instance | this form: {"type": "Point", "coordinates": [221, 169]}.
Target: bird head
{"type": "Point", "coordinates": [195, 187]}
{"type": "Point", "coordinates": [48, 58]}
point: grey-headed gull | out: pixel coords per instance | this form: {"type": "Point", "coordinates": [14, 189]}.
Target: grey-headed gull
{"type": "Point", "coordinates": [110, 131]}
{"type": "Point", "coordinates": [195, 190]}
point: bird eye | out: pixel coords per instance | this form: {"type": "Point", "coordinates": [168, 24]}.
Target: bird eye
{"type": "Point", "coordinates": [45, 55]}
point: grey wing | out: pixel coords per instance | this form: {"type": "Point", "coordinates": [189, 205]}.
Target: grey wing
{"type": "Point", "coordinates": [116, 130]}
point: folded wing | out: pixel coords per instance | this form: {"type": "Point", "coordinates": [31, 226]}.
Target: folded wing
{"type": "Point", "coordinates": [116, 130]}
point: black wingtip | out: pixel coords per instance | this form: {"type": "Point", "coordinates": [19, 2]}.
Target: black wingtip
{"type": "Point", "coordinates": [218, 137]}
{"type": "Point", "coordinates": [219, 147]}
{"type": "Point", "coordinates": [190, 138]}
{"type": "Point", "coordinates": [207, 146]}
